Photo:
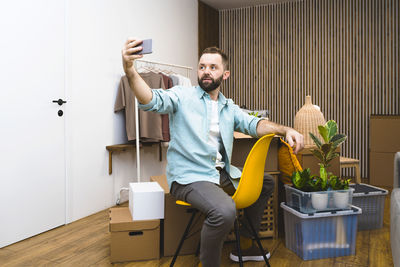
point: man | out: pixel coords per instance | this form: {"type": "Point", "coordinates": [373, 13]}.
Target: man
{"type": "Point", "coordinates": [202, 122]}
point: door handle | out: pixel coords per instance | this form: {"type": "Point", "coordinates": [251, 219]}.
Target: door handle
{"type": "Point", "coordinates": [59, 101]}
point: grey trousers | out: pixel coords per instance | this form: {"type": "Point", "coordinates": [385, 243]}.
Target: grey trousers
{"type": "Point", "coordinates": [216, 203]}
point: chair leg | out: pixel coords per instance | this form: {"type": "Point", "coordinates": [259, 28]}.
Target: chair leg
{"type": "Point", "coordinates": [238, 242]}
{"type": "Point", "coordinates": [183, 237]}
{"type": "Point", "coordinates": [358, 174]}
{"type": "Point", "coordinates": [198, 249]}
{"type": "Point", "coordinates": [257, 240]}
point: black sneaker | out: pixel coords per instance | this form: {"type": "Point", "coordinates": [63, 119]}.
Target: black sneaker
{"type": "Point", "coordinates": [250, 254]}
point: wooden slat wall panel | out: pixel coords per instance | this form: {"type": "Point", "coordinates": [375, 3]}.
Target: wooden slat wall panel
{"type": "Point", "coordinates": [208, 32]}
{"type": "Point", "coordinates": [345, 54]}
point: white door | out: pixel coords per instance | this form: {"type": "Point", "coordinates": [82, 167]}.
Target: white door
{"type": "Point", "coordinates": [32, 160]}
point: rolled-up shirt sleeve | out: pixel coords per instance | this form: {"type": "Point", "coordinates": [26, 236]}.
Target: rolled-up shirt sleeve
{"type": "Point", "coordinates": [245, 123]}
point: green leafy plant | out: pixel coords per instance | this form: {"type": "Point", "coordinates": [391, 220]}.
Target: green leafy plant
{"type": "Point", "coordinates": [337, 183]}
{"type": "Point", "coordinates": [304, 181]}
{"type": "Point", "coordinates": [325, 151]}
{"type": "Point", "coordinates": [255, 114]}
{"type": "Point", "coordinates": [324, 177]}
{"type": "Point", "coordinates": [301, 180]}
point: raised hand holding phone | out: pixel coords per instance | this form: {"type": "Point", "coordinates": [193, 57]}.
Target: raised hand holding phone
{"type": "Point", "coordinates": [147, 47]}
{"type": "Point", "coordinates": [129, 54]}
{"type": "Point", "coordinates": [133, 49]}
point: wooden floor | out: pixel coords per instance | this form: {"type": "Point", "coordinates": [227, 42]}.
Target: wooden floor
{"type": "Point", "coordinates": [87, 243]}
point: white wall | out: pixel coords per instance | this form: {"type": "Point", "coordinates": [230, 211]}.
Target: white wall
{"type": "Point", "coordinates": [96, 32]}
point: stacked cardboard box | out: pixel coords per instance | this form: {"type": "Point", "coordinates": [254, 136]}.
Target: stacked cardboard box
{"type": "Point", "coordinates": [135, 230]}
{"type": "Point", "coordinates": [383, 144]}
{"type": "Point", "coordinates": [133, 240]}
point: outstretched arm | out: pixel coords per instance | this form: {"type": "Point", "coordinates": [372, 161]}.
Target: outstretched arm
{"type": "Point", "coordinates": [294, 138]}
{"type": "Point", "coordinates": [139, 87]}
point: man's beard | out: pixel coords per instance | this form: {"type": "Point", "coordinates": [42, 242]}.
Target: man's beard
{"type": "Point", "coordinates": [210, 86]}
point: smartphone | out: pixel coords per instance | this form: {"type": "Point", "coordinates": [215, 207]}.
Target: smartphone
{"type": "Point", "coordinates": [147, 46]}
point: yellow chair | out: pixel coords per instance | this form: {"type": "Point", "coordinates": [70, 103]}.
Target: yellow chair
{"type": "Point", "coordinates": [248, 191]}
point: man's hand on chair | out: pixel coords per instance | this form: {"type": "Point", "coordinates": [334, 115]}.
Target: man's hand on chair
{"type": "Point", "coordinates": [295, 139]}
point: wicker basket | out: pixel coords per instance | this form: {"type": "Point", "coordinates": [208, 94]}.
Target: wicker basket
{"type": "Point", "coordinates": [307, 120]}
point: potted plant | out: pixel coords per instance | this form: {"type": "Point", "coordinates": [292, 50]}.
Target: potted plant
{"type": "Point", "coordinates": [340, 195]}
{"type": "Point", "coordinates": [304, 181]}
{"type": "Point", "coordinates": [325, 152]}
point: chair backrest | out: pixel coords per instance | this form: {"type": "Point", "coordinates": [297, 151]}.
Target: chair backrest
{"type": "Point", "coordinates": [251, 181]}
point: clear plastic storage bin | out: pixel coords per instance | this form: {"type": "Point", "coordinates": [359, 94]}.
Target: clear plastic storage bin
{"type": "Point", "coordinates": [310, 202]}
{"type": "Point", "coordinates": [322, 234]}
{"type": "Point", "coordinates": [371, 200]}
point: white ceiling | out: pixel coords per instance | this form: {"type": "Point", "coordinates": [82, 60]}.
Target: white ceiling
{"type": "Point", "coordinates": [229, 4]}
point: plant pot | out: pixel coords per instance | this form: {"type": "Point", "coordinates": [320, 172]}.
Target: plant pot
{"type": "Point", "coordinates": [319, 201]}
{"type": "Point", "coordinates": [341, 199]}
{"type": "Point", "coordinates": [310, 202]}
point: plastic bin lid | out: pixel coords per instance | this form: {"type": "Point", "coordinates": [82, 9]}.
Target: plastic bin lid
{"type": "Point", "coordinates": [319, 214]}
{"type": "Point", "coordinates": [366, 189]}
{"type": "Point", "coordinates": [291, 187]}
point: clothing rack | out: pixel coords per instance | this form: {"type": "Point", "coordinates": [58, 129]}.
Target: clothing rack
{"type": "Point", "coordinates": [143, 63]}
{"type": "Point", "coordinates": [186, 69]}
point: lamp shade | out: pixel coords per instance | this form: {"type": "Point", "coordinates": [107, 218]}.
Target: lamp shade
{"type": "Point", "coordinates": [307, 120]}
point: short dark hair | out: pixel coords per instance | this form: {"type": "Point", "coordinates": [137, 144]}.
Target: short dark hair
{"type": "Point", "coordinates": [216, 50]}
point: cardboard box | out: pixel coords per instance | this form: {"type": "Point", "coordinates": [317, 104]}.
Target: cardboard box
{"type": "Point", "coordinates": [242, 145]}
{"type": "Point", "coordinates": [383, 133]}
{"type": "Point", "coordinates": [381, 170]}
{"type": "Point", "coordinates": [162, 181]}
{"type": "Point", "coordinates": [175, 222]}
{"type": "Point", "coordinates": [133, 240]}
{"type": "Point", "coordinates": [146, 201]}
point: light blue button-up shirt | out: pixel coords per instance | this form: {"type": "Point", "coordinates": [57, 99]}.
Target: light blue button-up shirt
{"type": "Point", "coordinates": [190, 157]}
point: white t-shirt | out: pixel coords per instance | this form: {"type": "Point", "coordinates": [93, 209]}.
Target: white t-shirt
{"type": "Point", "coordinates": [215, 135]}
